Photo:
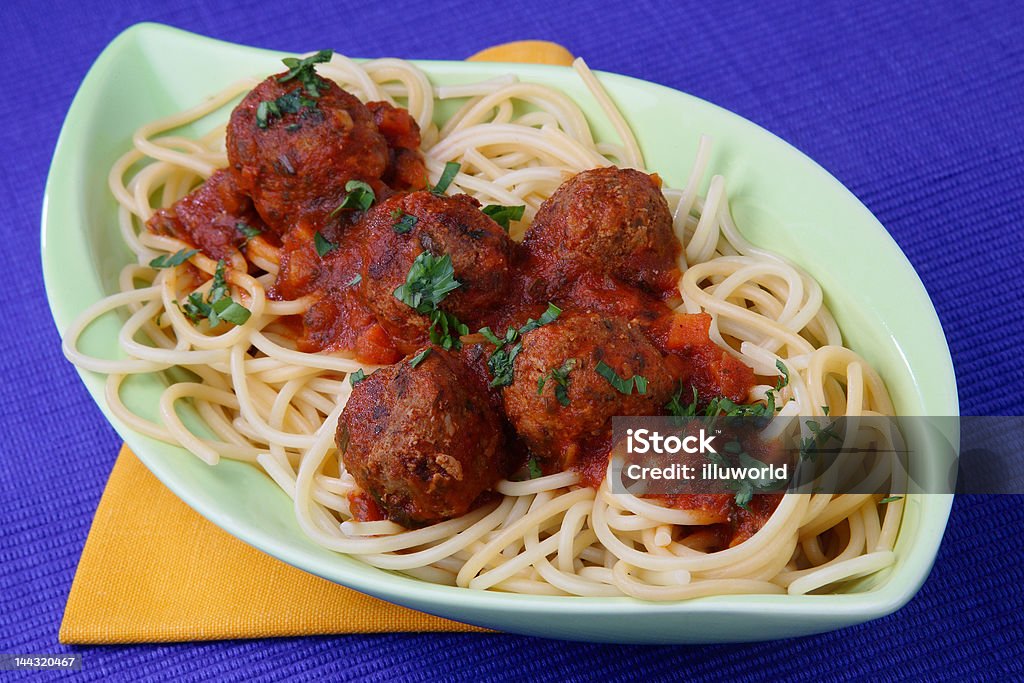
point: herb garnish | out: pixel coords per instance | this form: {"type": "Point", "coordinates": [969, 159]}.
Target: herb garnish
{"type": "Point", "coordinates": [360, 197]}
{"type": "Point", "coordinates": [356, 377]}
{"type": "Point", "coordinates": [502, 215]}
{"type": "Point", "coordinates": [546, 317]}
{"type": "Point", "coordinates": [445, 330]}
{"type": "Point", "coordinates": [404, 221]}
{"type": "Point", "coordinates": [419, 357]}
{"type": "Point", "coordinates": [355, 281]}
{"type": "Point", "coordinates": [305, 71]}
{"type": "Point", "coordinates": [247, 230]}
{"type": "Point", "coordinates": [534, 468]}
{"type": "Point", "coordinates": [679, 409]}
{"type": "Point", "coordinates": [722, 406]}
{"type": "Point", "coordinates": [889, 499]}
{"type": "Point", "coordinates": [218, 305]}
{"type": "Point", "coordinates": [172, 260]}
{"type": "Point", "coordinates": [746, 488]}
{"type": "Point", "coordinates": [501, 362]}
{"type": "Point", "coordinates": [292, 102]}
{"type": "Point", "coordinates": [430, 279]}
{"type": "Point", "coordinates": [323, 245]}
{"type": "Point", "coordinates": [450, 170]}
{"type": "Point", "coordinates": [784, 380]}
{"type": "Point", "coordinates": [560, 376]}
{"type": "Point", "coordinates": [622, 385]}
{"type": "Point", "coordinates": [820, 436]}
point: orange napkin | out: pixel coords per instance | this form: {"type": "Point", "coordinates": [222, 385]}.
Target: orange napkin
{"type": "Point", "coordinates": [153, 570]}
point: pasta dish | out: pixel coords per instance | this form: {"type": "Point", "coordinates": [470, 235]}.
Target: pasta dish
{"type": "Point", "coordinates": [420, 325]}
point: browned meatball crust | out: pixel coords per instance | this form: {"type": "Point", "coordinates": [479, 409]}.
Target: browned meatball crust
{"type": "Point", "coordinates": [295, 165]}
{"type": "Point", "coordinates": [480, 251]}
{"type": "Point", "coordinates": [555, 430]}
{"type": "Point", "coordinates": [610, 220]}
{"type": "Point", "coordinates": [422, 441]}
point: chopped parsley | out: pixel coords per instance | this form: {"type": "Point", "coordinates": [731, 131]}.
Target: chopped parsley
{"type": "Point", "coordinates": [292, 102]}
{"type": "Point", "coordinates": [172, 260]}
{"type": "Point", "coordinates": [430, 279]}
{"type": "Point", "coordinates": [219, 288]}
{"type": "Point", "coordinates": [360, 197]}
{"type": "Point", "coordinates": [447, 176]}
{"type": "Point", "coordinates": [889, 499]}
{"type": "Point", "coordinates": [719, 406]}
{"type": "Point", "coordinates": [560, 377]}
{"type": "Point", "coordinates": [323, 245]}
{"type": "Point", "coordinates": [722, 406]}
{"type": "Point", "coordinates": [546, 317]}
{"type": "Point", "coordinates": [419, 357]}
{"type": "Point", "coordinates": [445, 330]}
{"type": "Point", "coordinates": [727, 408]}
{"type": "Point", "coordinates": [247, 231]}
{"type": "Point", "coordinates": [228, 310]}
{"type": "Point", "coordinates": [501, 362]}
{"type": "Point", "coordinates": [305, 71]}
{"type": "Point", "coordinates": [621, 384]}
{"type": "Point", "coordinates": [356, 377]}
{"type": "Point", "coordinates": [784, 380]}
{"type": "Point", "coordinates": [745, 488]}
{"type": "Point", "coordinates": [676, 407]}
{"type": "Point", "coordinates": [404, 221]}
{"type": "Point", "coordinates": [503, 215]}
{"type": "Point", "coordinates": [810, 446]}
{"type": "Point", "coordinates": [823, 433]}
{"type": "Point", "coordinates": [534, 468]}
{"type": "Point", "coordinates": [218, 305]}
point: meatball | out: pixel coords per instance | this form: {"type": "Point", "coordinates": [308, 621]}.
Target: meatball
{"type": "Point", "coordinates": [211, 217]}
{"type": "Point", "coordinates": [612, 221]}
{"type": "Point", "coordinates": [295, 157]}
{"type": "Point", "coordinates": [422, 441]}
{"type": "Point", "coordinates": [398, 230]}
{"type": "Point", "coordinates": [574, 407]}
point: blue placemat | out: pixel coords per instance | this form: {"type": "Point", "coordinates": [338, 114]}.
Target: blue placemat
{"type": "Point", "coordinates": [918, 109]}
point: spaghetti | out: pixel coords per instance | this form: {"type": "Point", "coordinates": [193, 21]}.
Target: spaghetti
{"type": "Point", "coordinates": [265, 402]}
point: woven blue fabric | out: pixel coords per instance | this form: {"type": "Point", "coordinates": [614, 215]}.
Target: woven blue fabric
{"type": "Point", "coordinates": [919, 109]}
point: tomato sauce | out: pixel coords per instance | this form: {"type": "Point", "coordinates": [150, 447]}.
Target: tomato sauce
{"type": "Point", "coordinates": [325, 263]}
{"type": "Point", "coordinates": [364, 508]}
{"type": "Point", "coordinates": [337, 321]}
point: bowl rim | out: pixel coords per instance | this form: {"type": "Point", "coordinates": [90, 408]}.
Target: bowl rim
{"type": "Point", "coordinates": [897, 589]}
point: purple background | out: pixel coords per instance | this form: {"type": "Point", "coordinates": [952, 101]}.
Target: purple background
{"type": "Point", "coordinates": [918, 109]}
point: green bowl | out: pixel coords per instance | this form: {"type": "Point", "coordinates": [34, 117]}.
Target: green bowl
{"type": "Point", "coordinates": [781, 200]}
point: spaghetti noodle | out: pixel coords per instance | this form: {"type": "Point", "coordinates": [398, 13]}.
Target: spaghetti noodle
{"type": "Point", "coordinates": [264, 402]}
